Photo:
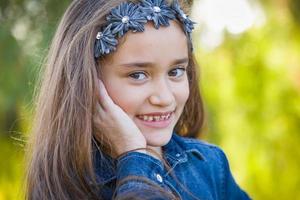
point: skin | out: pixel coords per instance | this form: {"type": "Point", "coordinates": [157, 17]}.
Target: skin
{"type": "Point", "coordinates": [129, 89]}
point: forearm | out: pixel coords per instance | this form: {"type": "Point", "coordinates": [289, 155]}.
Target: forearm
{"type": "Point", "coordinates": [139, 176]}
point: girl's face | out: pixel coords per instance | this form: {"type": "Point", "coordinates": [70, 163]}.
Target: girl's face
{"type": "Point", "coordinates": [146, 77]}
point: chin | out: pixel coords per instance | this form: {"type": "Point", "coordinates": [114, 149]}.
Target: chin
{"type": "Point", "coordinates": [158, 138]}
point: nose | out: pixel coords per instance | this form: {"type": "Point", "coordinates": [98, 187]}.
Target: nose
{"type": "Point", "coordinates": [162, 94]}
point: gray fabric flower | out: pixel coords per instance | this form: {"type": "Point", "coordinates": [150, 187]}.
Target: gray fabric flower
{"type": "Point", "coordinates": [158, 11]}
{"type": "Point", "coordinates": [188, 25]}
{"type": "Point", "coordinates": [105, 42]}
{"type": "Point", "coordinates": [126, 16]}
{"type": "Point", "coordinates": [133, 16]}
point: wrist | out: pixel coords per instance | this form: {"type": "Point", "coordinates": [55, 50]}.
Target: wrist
{"type": "Point", "coordinates": [140, 150]}
{"type": "Point", "coordinates": [129, 146]}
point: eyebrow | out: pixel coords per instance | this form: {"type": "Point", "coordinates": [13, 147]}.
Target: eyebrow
{"type": "Point", "coordinates": [149, 64]}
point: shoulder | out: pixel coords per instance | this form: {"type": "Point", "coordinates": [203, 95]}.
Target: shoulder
{"type": "Point", "coordinates": [215, 157]}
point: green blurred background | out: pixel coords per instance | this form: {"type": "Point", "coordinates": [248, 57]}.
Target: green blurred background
{"type": "Point", "coordinates": [249, 52]}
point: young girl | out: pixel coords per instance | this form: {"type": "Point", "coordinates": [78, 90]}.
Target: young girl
{"type": "Point", "coordinates": [118, 107]}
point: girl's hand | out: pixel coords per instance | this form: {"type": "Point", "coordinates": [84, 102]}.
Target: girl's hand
{"type": "Point", "coordinates": [116, 127]}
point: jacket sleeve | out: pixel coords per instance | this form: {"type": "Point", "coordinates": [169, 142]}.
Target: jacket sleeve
{"type": "Point", "coordinates": [229, 188]}
{"type": "Point", "coordinates": [139, 176]}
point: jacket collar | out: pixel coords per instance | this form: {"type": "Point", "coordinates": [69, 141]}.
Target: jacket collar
{"type": "Point", "coordinates": [175, 152]}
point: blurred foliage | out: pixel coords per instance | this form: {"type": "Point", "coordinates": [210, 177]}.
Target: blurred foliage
{"type": "Point", "coordinates": [251, 86]}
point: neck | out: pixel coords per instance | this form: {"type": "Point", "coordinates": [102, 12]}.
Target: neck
{"type": "Point", "coordinates": [157, 150]}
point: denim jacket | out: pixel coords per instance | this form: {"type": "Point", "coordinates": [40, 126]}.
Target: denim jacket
{"type": "Point", "coordinates": [199, 167]}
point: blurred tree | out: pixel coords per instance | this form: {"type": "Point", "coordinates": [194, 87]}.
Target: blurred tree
{"type": "Point", "coordinates": [251, 87]}
{"type": "Point", "coordinates": [26, 28]}
{"type": "Point", "coordinates": [10, 65]}
{"type": "Point", "coordinates": [295, 10]}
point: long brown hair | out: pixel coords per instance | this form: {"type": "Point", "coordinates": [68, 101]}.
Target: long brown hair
{"type": "Point", "coordinates": [59, 152]}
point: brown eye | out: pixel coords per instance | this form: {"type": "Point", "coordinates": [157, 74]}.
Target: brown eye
{"type": "Point", "coordinates": [177, 72]}
{"type": "Point", "coordinates": [138, 75]}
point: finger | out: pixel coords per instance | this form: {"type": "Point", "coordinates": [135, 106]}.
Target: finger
{"type": "Point", "coordinates": [98, 95]}
{"type": "Point", "coordinates": [99, 117]}
{"type": "Point", "coordinates": [100, 111]}
{"type": "Point", "coordinates": [101, 95]}
{"type": "Point", "coordinates": [104, 98]}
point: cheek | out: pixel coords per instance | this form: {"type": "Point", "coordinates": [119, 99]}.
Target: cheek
{"type": "Point", "coordinates": [126, 97]}
{"type": "Point", "coordinates": [182, 93]}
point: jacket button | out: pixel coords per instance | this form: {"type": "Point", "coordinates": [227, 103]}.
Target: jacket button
{"type": "Point", "coordinates": [159, 178]}
{"type": "Point", "coordinates": [177, 155]}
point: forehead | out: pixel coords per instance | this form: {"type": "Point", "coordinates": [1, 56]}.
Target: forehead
{"type": "Point", "coordinates": [159, 46]}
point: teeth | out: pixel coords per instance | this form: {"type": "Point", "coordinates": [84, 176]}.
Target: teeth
{"type": "Point", "coordinates": [154, 118]}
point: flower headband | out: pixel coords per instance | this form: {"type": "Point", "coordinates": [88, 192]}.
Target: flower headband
{"type": "Point", "coordinates": [131, 16]}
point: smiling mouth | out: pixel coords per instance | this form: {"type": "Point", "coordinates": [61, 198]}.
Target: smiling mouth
{"type": "Point", "coordinates": [155, 117]}
{"type": "Point", "coordinates": [162, 121]}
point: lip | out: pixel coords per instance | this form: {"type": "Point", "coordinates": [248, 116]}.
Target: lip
{"type": "Point", "coordinates": [158, 124]}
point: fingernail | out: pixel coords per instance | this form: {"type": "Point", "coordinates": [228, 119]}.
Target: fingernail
{"type": "Point", "coordinates": [100, 83]}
